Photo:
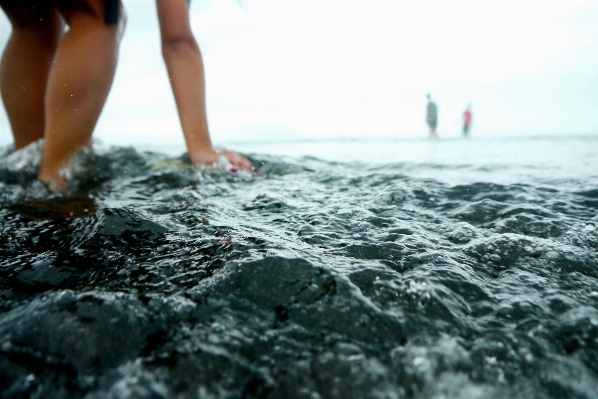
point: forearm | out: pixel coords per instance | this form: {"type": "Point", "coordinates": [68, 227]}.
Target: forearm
{"type": "Point", "coordinates": [185, 70]}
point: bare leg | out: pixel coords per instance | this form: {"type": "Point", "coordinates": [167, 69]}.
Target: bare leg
{"type": "Point", "coordinates": [25, 65]}
{"type": "Point", "coordinates": [79, 82]}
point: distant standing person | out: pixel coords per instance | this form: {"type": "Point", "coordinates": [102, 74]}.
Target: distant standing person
{"type": "Point", "coordinates": [467, 121]}
{"type": "Point", "coordinates": [432, 117]}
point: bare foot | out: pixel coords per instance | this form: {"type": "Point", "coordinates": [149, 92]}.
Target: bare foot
{"type": "Point", "coordinates": [56, 182]}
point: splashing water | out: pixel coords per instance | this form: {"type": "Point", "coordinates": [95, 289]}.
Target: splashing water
{"type": "Point", "coordinates": [310, 279]}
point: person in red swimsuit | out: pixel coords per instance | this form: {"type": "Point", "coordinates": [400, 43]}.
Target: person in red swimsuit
{"type": "Point", "coordinates": [54, 83]}
{"type": "Point", "coordinates": [467, 121]}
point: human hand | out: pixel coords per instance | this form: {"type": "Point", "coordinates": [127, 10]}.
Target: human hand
{"type": "Point", "coordinates": [237, 160]}
{"type": "Point", "coordinates": [209, 156]}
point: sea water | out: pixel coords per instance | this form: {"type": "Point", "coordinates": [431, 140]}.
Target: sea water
{"type": "Point", "coordinates": [340, 269]}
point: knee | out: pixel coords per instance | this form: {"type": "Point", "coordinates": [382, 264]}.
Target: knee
{"type": "Point", "coordinates": [93, 13]}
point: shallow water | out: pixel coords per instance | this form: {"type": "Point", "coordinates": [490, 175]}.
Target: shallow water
{"type": "Point", "coordinates": [457, 269]}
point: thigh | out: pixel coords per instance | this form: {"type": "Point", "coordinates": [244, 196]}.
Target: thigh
{"type": "Point", "coordinates": [31, 14]}
{"type": "Point", "coordinates": [109, 11]}
{"type": "Point", "coordinates": [90, 8]}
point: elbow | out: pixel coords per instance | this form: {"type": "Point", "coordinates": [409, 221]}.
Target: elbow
{"type": "Point", "coordinates": [178, 44]}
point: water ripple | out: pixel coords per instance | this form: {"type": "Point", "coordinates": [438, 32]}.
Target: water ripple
{"type": "Point", "coordinates": [309, 279]}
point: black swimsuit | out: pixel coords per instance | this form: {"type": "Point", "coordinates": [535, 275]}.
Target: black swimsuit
{"type": "Point", "coordinates": [111, 12]}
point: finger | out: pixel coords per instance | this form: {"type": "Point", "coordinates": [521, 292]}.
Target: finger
{"type": "Point", "coordinates": [237, 160]}
{"type": "Point", "coordinates": [246, 163]}
{"type": "Point", "coordinates": [231, 156]}
{"type": "Point", "coordinates": [243, 162]}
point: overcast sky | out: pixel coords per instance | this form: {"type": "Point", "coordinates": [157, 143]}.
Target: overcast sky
{"type": "Point", "coordinates": [285, 69]}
